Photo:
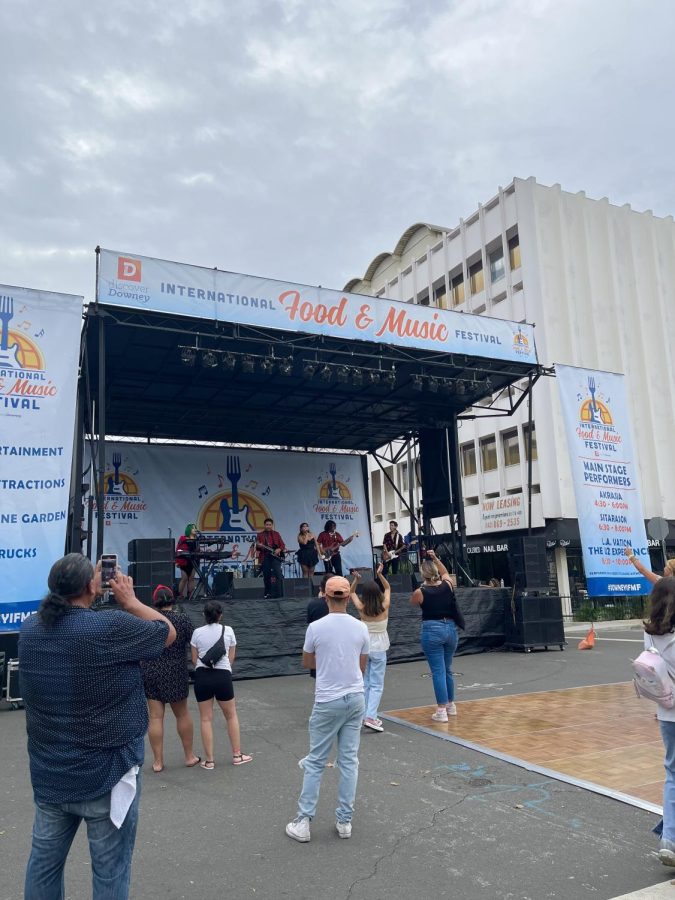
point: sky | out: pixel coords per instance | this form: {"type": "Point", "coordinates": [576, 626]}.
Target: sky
{"type": "Point", "coordinates": [297, 139]}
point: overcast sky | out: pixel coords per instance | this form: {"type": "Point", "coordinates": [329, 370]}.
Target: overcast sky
{"type": "Point", "coordinates": [297, 139]}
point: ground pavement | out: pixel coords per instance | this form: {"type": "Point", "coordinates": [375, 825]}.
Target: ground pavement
{"type": "Point", "coordinates": [433, 819]}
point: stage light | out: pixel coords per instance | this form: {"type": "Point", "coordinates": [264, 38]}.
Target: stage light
{"type": "Point", "coordinates": [433, 385]}
{"type": "Point", "coordinates": [373, 376]}
{"type": "Point", "coordinates": [248, 365]}
{"type": "Point", "coordinates": [417, 383]}
{"type": "Point", "coordinates": [357, 377]}
{"type": "Point", "coordinates": [267, 365]}
{"type": "Point", "coordinates": [286, 366]}
{"type": "Point", "coordinates": [342, 374]}
{"type": "Point", "coordinates": [447, 387]}
{"type": "Point", "coordinates": [488, 385]}
{"type": "Point", "coordinates": [325, 373]}
{"type": "Point", "coordinates": [188, 355]}
{"type": "Point", "coordinates": [309, 368]}
{"type": "Point", "coordinates": [461, 388]}
{"type": "Point", "coordinates": [229, 362]}
{"type": "Point", "coordinates": [209, 359]}
{"type": "Point", "coordinates": [390, 377]}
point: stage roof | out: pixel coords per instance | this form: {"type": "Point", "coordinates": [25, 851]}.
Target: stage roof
{"type": "Point", "coordinates": [152, 393]}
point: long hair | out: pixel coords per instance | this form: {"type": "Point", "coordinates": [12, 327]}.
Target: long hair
{"type": "Point", "coordinates": [372, 599]}
{"type": "Point", "coordinates": [670, 566]}
{"type": "Point", "coordinates": [429, 571]}
{"type": "Point", "coordinates": [661, 611]}
{"type": "Point", "coordinates": [68, 579]}
{"type": "Point", "coordinates": [212, 611]}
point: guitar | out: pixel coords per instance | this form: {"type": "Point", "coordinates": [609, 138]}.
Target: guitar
{"type": "Point", "coordinates": [334, 490]}
{"type": "Point", "coordinates": [327, 553]}
{"type": "Point", "coordinates": [389, 555]}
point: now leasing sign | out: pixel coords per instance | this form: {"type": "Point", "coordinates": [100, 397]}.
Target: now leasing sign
{"type": "Point", "coordinates": [502, 513]}
{"type": "Point", "coordinates": [141, 282]}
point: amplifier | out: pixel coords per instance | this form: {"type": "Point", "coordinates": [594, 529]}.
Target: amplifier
{"type": "Point", "coordinates": [148, 550]}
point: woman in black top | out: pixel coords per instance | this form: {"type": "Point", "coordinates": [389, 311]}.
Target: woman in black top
{"type": "Point", "coordinates": [440, 619]}
{"type": "Point", "coordinates": [307, 553]}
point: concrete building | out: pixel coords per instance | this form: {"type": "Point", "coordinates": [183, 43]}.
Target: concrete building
{"type": "Point", "coordinates": [598, 281]}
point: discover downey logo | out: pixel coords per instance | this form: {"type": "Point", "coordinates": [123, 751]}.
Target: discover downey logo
{"type": "Point", "coordinates": [128, 269]}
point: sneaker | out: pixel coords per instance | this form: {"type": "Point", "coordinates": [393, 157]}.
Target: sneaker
{"type": "Point", "coordinates": [344, 829]}
{"type": "Point", "coordinates": [667, 852]}
{"type": "Point", "coordinates": [451, 709]}
{"type": "Point", "coordinates": [298, 829]}
{"type": "Point", "coordinates": [374, 724]}
{"type": "Point", "coordinates": [440, 716]}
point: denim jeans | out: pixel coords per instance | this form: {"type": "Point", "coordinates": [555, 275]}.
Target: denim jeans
{"type": "Point", "coordinates": [373, 681]}
{"type": "Point", "coordinates": [668, 736]}
{"type": "Point", "coordinates": [439, 642]}
{"type": "Point", "coordinates": [111, 848]}
{"type": "Point", "coordinates": [339, 719]}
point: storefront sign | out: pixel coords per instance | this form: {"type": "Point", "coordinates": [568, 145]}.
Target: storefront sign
{"type": "Point", "coordinates": [502, 513]}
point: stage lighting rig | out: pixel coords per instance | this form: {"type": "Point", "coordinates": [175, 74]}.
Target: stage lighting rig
{"type": "Point", "coordinates": [447, 387]}
{"type": "Point", "coordinates": [229, 362]}
{"type": "Point", "coordinates": [267, 365]}
{"type": "Point", "coordinates": [488, 385]}
{"type": "Point", "coordinates": [461, 388]}
{"type": "Point", "coordinates": [209, 359]}
{"type": "Point", "coordinates": [286, 366]}
{"type": "Point", "coordinates": [325, 373]}
{"type": "Point", "coordinates": [373, 376]}
{"type": "Point", "coordinates": [417, 383]}
{"type": "Point", "coordinates": [432, 385]}
{"type": "Point", "coordinates": [309, 368]}
{"type": "Point", "coordinates": [248, 365]}
{"type": "Point", "coordinates": [188, 355]}
{"type": "Point", "coordinates": [389, 377]}
{"type": "Point", "coordinates": [342, 374]}
{"type": "Point", "coordinates": [357, 377]}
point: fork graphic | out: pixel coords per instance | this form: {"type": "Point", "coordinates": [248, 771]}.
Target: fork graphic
{"type": "Point", "coordinates": [6, 313]}
{"type": "Point", "coordinates": [332, 468]}
{"type": "Point", "coordinates": [233, 472]}
{"type": "Point", "coordinates": [117, 462]}
{"type": "Point", "coordinates": [591, 388]}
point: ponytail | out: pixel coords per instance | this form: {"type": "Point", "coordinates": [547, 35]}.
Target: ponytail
{"type": "Point", "coordinates": [52, 608]}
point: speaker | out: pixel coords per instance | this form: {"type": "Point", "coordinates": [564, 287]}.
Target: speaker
{"type": "Point", "coordinates": [301, 588]}
{"type": "Point", "coordinates": [248, 588]}
{"type": "Point", "coordinates": [534, 622]}
{"type": "Point", "coordinates": [400, 583]}
{"type": "Point", "coordinates": [222, 583]}
{"type": "Point", "coordinates": [153, 573]}
{"type": "Point", "coordinates": [144, 591]}
{"type": "Point", "coordinates": [145, 550]}
{"type": "Point", "coordinates": [434, 469]}
{"type": "Point", "coordinates": [528, 563]}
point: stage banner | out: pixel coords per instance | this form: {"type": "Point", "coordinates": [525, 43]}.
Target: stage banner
{"type": "Point", "coordinates": [39, 348]}
{"type": "Point", "coordinates": [606, 482]}
{"type": "Point", "coordinates": [155, 490]}
{"type": "Point", "coordinates": [141, 282]}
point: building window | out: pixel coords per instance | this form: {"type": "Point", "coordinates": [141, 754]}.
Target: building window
{"type": "Point", "coordinates": [514, 252]}
{"type": "Point", "coordinates": [526, 429]}
{"type": "Point", "coordinates": [497, 269]}
{"type": "Point", "coordinates": [423, 297]}
{"type": "Point", "coordinates": [471, 501]}
{"type": "Point", "coordinates": [403, 474]}
{"type": "Point", "coordinates": [457, 290]}
{"type": "Point", "coordinates": [511, 447]}
{"type": "Point", "coordinates": [440, 296]}
{"type": "Point", "coordinates": [476, 280]}
{"type": "Point", "coordinates": [492, 496]}
{"type": "Point", "coordinates": [468, 452]}
{"type": "Point", "coordinates": [488, 453]}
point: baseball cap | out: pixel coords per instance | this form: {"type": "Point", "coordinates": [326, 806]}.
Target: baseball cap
{"type": "Point", "coordinates": [337, 587]}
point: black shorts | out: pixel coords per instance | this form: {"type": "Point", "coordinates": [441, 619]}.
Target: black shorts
{"type": "Point", "coordinates": [210, 683]}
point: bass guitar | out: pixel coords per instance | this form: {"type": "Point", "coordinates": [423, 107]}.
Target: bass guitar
{"type": "Point", "coordinates": [327, 553]}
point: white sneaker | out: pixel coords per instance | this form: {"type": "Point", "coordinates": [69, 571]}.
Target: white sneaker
{"type": "Point", "coordinates": [344, 829]}
{"type": "Point", "coordinates": [451, 709]}
{"type": "Point", "coordinates": [440, 716]}
{"type": "Point", "coordinates": [298, 829]}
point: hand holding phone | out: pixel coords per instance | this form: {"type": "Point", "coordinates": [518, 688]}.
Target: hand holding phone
{"type": "Point", "coordinates": [108, 569]}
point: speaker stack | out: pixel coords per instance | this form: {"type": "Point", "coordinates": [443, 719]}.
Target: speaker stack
{"type": "Point", "coordinates": [533, 619]}
{"type": "Point", "coordinates": [528, 563]}
{"type": "Point", "coordinates": [151, 562]}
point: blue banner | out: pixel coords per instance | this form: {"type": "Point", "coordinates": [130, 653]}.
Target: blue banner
{"type": "Point", "coordinates": [606, 481]}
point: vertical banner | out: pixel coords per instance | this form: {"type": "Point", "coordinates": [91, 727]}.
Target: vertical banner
{"type": "Point", "coordinates": [606, 483]}
{"type": "Point", "coordinates": [39, 347]}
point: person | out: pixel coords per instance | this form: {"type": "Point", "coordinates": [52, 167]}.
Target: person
{"type": "Point", "coordinates": [186, 544]}
{"type": "Point", "coordinates": [659, 632]}
{"type": "Point", "coordinates": [440, 619]}
{"type": "Point", "coordinates": [86, 720]}
{"type": "Point", "coordinates": [271, 547]}
{"type": "Point", "coordinates": [317, 609]}
{"type": "Point", "coordinates": [330, 541]}
{"type": "Point", "coordinates": [216, 681]}
{"type": "Point", "coordinates": [373, 607]}
{"type": "Point", "coordinates": [165, 680]}
{"type": "Point", "coordinates": [668, 571]}
{"type": "Point", "coordinates": [337, 647]}
{"type": "Point", "coordinates": [308, 554]}
{"type": "Point", "coordinates": [392, 545]}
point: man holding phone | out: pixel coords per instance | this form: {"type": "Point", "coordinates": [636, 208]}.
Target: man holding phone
{"type": "Point", "coordinates": [86, 719]}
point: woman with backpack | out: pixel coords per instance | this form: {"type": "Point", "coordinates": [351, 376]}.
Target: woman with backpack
{"type": "Point", "coordinates": [213, 650]}
{"type": "Point", "coordinates": [660, 634]}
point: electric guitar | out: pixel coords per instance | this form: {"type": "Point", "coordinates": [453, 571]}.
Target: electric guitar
{"type": "Point", "coordinates": [389, 555]}
{"type": "Point", "coordinates": [327, 553]}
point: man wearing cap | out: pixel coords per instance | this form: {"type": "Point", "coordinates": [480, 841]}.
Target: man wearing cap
{"type": "Point", "coordinates": [337, 647]}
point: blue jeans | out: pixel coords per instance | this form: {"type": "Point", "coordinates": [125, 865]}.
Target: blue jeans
{"type": "Point", "coordinates": [668, 736]}
{"type": "Point", "coordinates": [111, 848]}
{"type": "Point", "coordinates": [439, 642]}
{"type": "Point", "coordinates": [373, 681]}
{"type": "Point", "coordinates": [339, 719]}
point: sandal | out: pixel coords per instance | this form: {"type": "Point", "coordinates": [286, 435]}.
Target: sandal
{"type": "Point", "coordinates": [207, 764]}
{"type": "Point", "coordinates": [239, 759]}
{"type": "Point", "coordinates": [192, 765]}
{"type": "Point", "coordinates": [157, 771]}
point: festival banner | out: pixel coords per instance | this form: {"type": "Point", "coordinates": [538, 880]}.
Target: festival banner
{"type": "Point", "coordinates": [606, 482]}
{"type": "Point", "coordinates": [141, 282]}
{"type": "Point", "coordinates": [155, 490]}
{"type": "Point", "coordinates": [39, 348]}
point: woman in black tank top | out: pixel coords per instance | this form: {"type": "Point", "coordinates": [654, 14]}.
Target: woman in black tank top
{"type": "Point", "coordinates": [440, 619]}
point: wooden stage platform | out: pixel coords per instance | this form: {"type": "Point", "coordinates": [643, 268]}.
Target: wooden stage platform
{"type": "Point", "coordinates": [603, 737]}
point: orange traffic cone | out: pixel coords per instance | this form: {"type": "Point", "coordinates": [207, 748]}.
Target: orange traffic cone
{"type": "Point", "coordinates": [588, 642]}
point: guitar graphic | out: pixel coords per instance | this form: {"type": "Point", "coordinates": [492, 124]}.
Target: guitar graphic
{"type": "Point", "coordinates": [595, 411]}
{"type": "Point", "coordinates": [334, 490]}
{"type": "Point", "coordinates": [234, 519]}
{"type": "Point", "coordinates": [9, 356]}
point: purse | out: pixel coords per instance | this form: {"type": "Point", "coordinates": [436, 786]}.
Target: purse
{"type": "Point", "coordinates": [215, 653]}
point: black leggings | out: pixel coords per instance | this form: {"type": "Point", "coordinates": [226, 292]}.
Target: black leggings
{"type": "Point", "coordinates": [210, 683]}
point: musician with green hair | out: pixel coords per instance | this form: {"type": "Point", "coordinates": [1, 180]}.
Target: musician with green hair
{"type": "Point", "coordinates": [186, 544]}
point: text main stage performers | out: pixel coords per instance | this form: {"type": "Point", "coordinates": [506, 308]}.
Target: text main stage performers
{"type": "Point", "coordinates": [394, 546]}
{"type": "Point", "coordinates": [330, 541]}
{"type": "Point", "coordinates": [271, 547]}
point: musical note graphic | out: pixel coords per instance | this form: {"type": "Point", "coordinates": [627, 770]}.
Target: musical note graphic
{"type": "Point", "coordinates": [136, 472]}
{"type": "Point", "coordinates": [203, 491]}
{"type": "Point", "coordinates": [25, 325]}
{"type": "Point", "coordinates": [266, 492]}
{"type": "Point", "coordinates": [39, 333]}
{"type": "Point", "coordinates": [23, 309]}
{"type": "Point", "coordinates": [252, 484]}
{"type": "Point", "coordinates": [208, 470]}
{"type": "Point", "coordinates": [579, 397]}
{"type": "Point", "coordinates": [319, 478]}
{"type": "Point", "coordinates": [221, 481]}
{"type": "Point", "coordinates": [248, 468]}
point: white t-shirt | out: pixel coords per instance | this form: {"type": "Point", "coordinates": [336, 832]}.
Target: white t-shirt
{"type": "Point", "coordinates": [338, 641]}
{"type": "Point", "coordinates": [205, 637]}
{"type": "Point", "coordinates": [661, 641]}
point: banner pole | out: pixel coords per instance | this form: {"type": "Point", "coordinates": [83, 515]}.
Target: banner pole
{"type": "Point", "coordinates": [529, 454]}
{"type": "Point", "coordinates": [100, 492]}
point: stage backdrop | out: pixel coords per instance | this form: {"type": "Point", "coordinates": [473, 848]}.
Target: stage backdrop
{"type": "Point", "coordinates": [154, 490]}
{"type": "Point", "coordinates": [606, 483]}
{"type": "Point", "coordinates": [39, 346]}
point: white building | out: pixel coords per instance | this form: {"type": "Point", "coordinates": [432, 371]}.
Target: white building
{"type": "Point", "coordinates": [598, 281]}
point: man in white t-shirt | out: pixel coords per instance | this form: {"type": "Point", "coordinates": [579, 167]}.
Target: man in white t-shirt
{"type": "Point", "coordinates": [337, 647]}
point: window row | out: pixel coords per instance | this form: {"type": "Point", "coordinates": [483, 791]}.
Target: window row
{"type": "Point", "coordinates": [488, 450]}
{"type": "Point", "coordinates": [476, 277]}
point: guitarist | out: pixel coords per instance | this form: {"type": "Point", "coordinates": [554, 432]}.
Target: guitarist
{"type": "Point", "coordinates": [330, 540]}
{"type": "Point", "coordinates": [393, 546]}
{"type": "Point", "coordinates": [270, 546]}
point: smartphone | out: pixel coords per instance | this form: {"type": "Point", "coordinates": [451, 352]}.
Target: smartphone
{"type": "Point", "coordinates": [108, 568]}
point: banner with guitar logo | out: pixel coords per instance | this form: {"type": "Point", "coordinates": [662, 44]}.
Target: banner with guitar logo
{"type": "Point", "coordinates": [39, 347]}
{"type": "Point", "coordinates": [156, 490]}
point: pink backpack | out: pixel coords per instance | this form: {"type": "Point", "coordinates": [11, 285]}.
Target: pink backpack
{"type": "Point", "coordinates": [653, 679]}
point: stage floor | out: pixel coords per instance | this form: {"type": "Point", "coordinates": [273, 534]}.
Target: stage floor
{"type": "Point", "coordinates": [601, 737]}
